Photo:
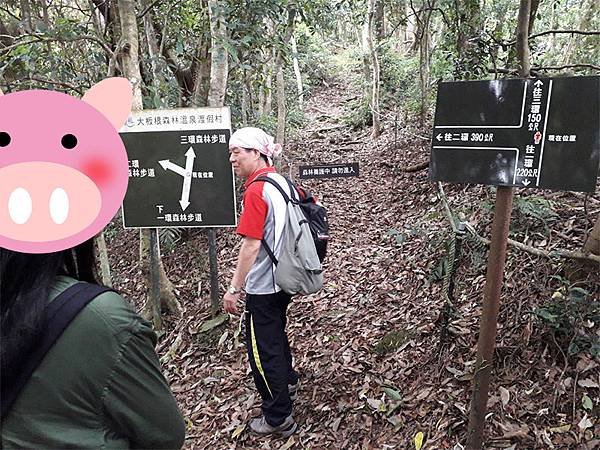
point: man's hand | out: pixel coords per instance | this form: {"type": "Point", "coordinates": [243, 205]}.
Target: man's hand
{"type": "Point", "coordinates": [246, 258]}
{"type": "Point", "coordinates": [230, 302]}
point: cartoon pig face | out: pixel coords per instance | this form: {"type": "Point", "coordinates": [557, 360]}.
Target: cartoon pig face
{"type": "Point", "coordinates": [63, 166]}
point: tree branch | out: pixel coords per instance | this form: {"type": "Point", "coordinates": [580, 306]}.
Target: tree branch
{"type": "Point", "coordinates": [147, 9]}
{"type": "Point", "coordinates": [537, 252]}
{"type": "Point", "coordinates": [39, 38]}
{"type": "Point", "coordinates": [569, 66]}
{"type": "Point", "coordinates": [56, 83]}
{"type": "Point", "coordinates": [182, 74]}
{"type": "Point", "coordinates": [504, 71]}
{"type": "Point", "coordinates": [543, 33]}
{"type": "Point", "coordinates": [526, 248]}
{"type": "Point", "coordinates": [416, 167]}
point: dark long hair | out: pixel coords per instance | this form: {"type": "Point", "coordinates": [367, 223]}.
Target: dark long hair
{"type": "Point", "coordinates": [25, 282]}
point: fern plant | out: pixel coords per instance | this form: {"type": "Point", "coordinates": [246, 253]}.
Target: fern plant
{"type": "Point", "coordinates": [169, 237]}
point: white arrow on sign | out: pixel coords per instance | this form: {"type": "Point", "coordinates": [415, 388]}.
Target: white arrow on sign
{"type": "Point", "coordinates": [538, 83]}
{"type": "Point", "coordinates": [168, 165]}
{"type": "Point", "coordinates": [439, 137]}
{"type": "Point", "coordinates": [526, 182]}
{"type": "Point", "coordinates": [187, 178]}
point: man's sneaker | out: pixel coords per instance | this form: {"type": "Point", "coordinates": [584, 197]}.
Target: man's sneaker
{"type": "Point", "coordinates": [293, 390]}
{"type": "Point", "coordinates": [260, 426]}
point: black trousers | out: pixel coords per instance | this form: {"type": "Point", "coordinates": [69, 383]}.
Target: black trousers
{"type": "Point", "coordinates": [269, 353]}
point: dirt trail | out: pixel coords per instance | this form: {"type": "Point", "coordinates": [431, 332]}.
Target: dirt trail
{"type": "Point", "coordinates": [369, 291]}
{"type": "Point", "coordinates": [366, 346]}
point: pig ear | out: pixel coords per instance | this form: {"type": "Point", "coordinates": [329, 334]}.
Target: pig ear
{"type": "Point", "coordinates": [112, 97]}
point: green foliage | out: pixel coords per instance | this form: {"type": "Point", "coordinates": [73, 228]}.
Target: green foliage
{"type": "Point", "coordinates": [572, 315]}
{"type": "Point", "coordinates": [530, 213]}
{"type": "Point", "coordinates": [399, 88]}
{"type": "Point", "coordinates": [358, 113]}
{"type": "Point", "coordinates": [391, 342]}
{"type": "Point", "coordinates": [440, 269]}
{"type": "Point", "coordinates": [267, 122]}
{"type": "Point", "coordinates": [313, 56]}
{"type": "Point", "coordinates": [401, 236]}
{"type": "Point", "coordinates": [169, 237]}
{"type": "Point", "coordinates": [399, 75]}
{"type": "Point", "coordinates": [295, 118]}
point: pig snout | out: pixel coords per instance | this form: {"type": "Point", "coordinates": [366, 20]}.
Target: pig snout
{"type": "Point", "coordinates": [42, 201]}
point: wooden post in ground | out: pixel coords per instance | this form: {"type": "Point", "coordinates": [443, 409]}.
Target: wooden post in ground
{"type": "Point", "coordinates": [154, 297]}
{"type": "Point", "coordinates": [215, 304]}
{"type": "Point", "coordinates": [489, 317]}
{"type": "Point", "coordinates": [495, 272]}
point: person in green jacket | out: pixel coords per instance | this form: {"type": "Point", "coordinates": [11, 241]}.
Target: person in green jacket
{"type": "Point", "coordinates": [100, 385]}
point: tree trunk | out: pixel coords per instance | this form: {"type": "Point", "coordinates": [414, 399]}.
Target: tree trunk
{"type": "Point", "coordinates": [297, 72]}
{"type": "Point", "coordinates": [153, 50]}
{"type": "Point", "coordinates": [216, 98]}
{"type": "Point", "coordinates": [26, 23]}
{"type": "Point", "coordinates": [281, 108]}
{"type": "Point", "coordinates": [260, 111]}
{"type": "Point", "coordinates": [168, 293]}
{"type": "Point", "coordinates": [366, 51]}
{"type": "Point", "coordinates": [245, 100]}
{"type": "Point", "coordinates": [219, 59]}
{"type": "Point", "coordinates": [410, 34]}
{"type": "Point", "coordinates": [468, 27]}
{"type": "Point", "coordinates": [423, 39]}
{"type": "Point", "coordinates": [523, 53]}
{"type": "Point", "coordinates": [202, 76]}
{"type": "Point", "coordinates": [584, 24]}
{"type": "Point", "coordinates": [45, 16]}
{"type": "Point", "coordinates": [534, 7]}
{"type": "Point", "coordinates": [268, 106]}
{"type": "Point", "coordinates": [373, 43]}
{"type": "Point", "coordinates": [129, 57]}
{"type": "Point", "coordinates": [378, 21]}
{"type": "Point", "coordinates": [103, 259]}
{"type": "Point", "coordinates": [98, 18]}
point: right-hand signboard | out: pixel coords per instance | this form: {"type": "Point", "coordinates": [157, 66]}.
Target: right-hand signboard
{"type": "Point", "coordinates": [541, 133]}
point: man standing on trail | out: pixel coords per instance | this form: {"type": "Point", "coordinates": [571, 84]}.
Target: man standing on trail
{"type": "Point", "coordinates": [263, 217]}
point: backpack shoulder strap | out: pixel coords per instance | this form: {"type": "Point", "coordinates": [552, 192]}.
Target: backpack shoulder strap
{"type": "Point", "coordinates": [59, 313]}
{"type": "Point", "coordinates": [276, 184]}
{"type": "Point", "coordinates": [287, 200]}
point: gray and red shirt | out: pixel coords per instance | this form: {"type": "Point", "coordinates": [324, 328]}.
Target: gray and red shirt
{"type": "Point", "coordinates": [263, 217]}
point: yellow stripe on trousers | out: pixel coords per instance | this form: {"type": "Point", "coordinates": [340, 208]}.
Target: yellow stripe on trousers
{"type": "Point", "coordinates": [256, 355]}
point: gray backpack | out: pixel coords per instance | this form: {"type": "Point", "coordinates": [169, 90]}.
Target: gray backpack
{"type": "Point", "coordinates": [299, 269]}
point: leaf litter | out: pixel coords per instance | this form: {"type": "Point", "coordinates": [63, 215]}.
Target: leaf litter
{"type": "Point", "coordinates": [377, 284]}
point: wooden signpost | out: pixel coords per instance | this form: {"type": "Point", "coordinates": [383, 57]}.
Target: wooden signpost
{"type": "Point", "coordinates": [180, 175]}
{"type": "Point", "coordinates": [529, 133]}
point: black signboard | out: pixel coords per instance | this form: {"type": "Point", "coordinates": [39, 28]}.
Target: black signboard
{"type": "Point", "coordinates": [542, 133]}
{"type": "Point", "coordinates": [179, 170]}
{"type": "Point", "coordinates": [342, 170]}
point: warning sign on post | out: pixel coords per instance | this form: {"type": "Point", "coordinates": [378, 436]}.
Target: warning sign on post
{"type": "Point", "coordinates": [179, 170]}
{"type": "Point", "coordinates": [542, 133]}
{"type": "Point", "coordinates": [342, 170]}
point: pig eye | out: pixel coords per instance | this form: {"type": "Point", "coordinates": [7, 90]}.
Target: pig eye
{"type": "Point", "coordinates": [68, 141]}
{"type": "Point", "coordinates": [4, 139]}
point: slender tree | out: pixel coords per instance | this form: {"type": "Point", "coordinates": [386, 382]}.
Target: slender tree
{"type": "Point", "coordinates": [374, 36]}
{"type": "Point", "coordinates": [129, 58]}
